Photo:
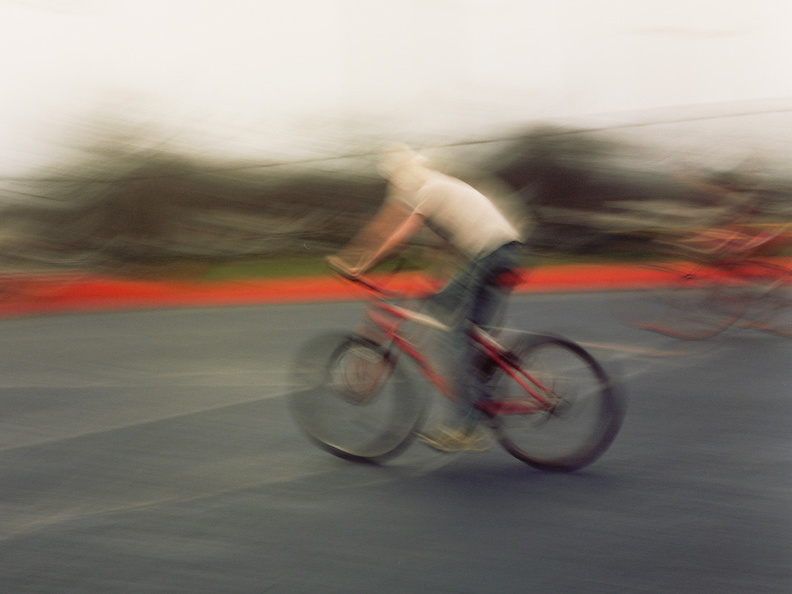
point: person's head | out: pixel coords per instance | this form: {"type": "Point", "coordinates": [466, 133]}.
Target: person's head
{"type": "Point", "coordinates": [402, 166]}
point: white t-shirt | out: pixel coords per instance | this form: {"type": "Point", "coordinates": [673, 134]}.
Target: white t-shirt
{"type": "Point", "coordinates": [460, 214]}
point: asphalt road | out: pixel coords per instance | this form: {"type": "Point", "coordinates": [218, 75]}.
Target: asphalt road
{"type": "Point", "coordinates": [152, 451]}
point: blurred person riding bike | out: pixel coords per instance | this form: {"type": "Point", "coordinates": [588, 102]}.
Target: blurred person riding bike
{"type": "Point", "coordinates": [735, 234]}
{"type": "Point", "coordinates": [420, 196]}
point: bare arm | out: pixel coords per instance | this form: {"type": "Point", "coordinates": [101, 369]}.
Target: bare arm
{"type": "Point", "coordinates": [389, 217]}
{"type": "Point", "coordinates": [397, 238]}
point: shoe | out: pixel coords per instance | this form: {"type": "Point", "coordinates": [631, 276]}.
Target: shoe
{"type": "Point", "coordinates": [447, 439]}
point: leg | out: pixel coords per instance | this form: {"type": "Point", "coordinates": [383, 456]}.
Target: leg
{"type": "Point", "coordinates": [477, 296]}
{"type": "Point", "coordinates": [481, 299]}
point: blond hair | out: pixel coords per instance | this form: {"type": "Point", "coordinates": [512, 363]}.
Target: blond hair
{"type": "Point", "coordinates": [396, 157]}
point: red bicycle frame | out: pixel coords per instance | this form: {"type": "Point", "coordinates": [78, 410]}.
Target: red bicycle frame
{"type": "Point", "coordinates": [387, 319]}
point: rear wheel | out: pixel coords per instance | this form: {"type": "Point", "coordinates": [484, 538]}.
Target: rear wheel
{"type": "Point", "coordinates": [585, 411]}
{"type": "Point", "coordinates": [352, 400]}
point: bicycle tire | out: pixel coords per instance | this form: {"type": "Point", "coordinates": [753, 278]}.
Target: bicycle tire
{"type": "Point", "coordinates": [772, 307]}
{"type": "Point", "coordinates": [689, 303]}
{"type": "Point", "coordinates": [588, 413]}
{"type": "Point", "coordinates": [352, 399]}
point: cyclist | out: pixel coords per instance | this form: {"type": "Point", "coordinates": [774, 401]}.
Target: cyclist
{"type": "Point", "coordinates": [735, 234]}
{"type": "Point", "coordinates": [419, 195]}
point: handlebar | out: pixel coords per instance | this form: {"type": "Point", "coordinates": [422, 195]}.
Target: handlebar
{"type": "Point", "coordinates": [384, 296]}
{"type": "Point", "coordinates": [344, 271]}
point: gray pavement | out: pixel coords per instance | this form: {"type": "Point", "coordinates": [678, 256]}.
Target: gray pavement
{"type": "Point", "coordinates": [153, 452]}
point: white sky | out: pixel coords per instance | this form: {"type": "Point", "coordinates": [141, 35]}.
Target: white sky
{"type": "Point", "coordinates": [252, 76]}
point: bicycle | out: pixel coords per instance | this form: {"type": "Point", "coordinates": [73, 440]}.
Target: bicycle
{"type": "Point", "coordinates": [720, 282]}
{"type": "Point", "coordinates": [550, 404]}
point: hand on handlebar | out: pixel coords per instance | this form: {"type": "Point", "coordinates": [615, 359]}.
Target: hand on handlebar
{"type": "Point", "coordinates": [344, 268]}
{"type": "Point", "coordinates": [355, 273]}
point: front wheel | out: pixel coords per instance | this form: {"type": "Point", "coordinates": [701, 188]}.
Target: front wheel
{"type": "Point", "coordinates": [581, 414]}
{"type": "Point", "coordinates": [352, 400]}
{"type": "Point", "coordinates": [690, 302]}
{"type": "Point", "coordinates": [771, 308]}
